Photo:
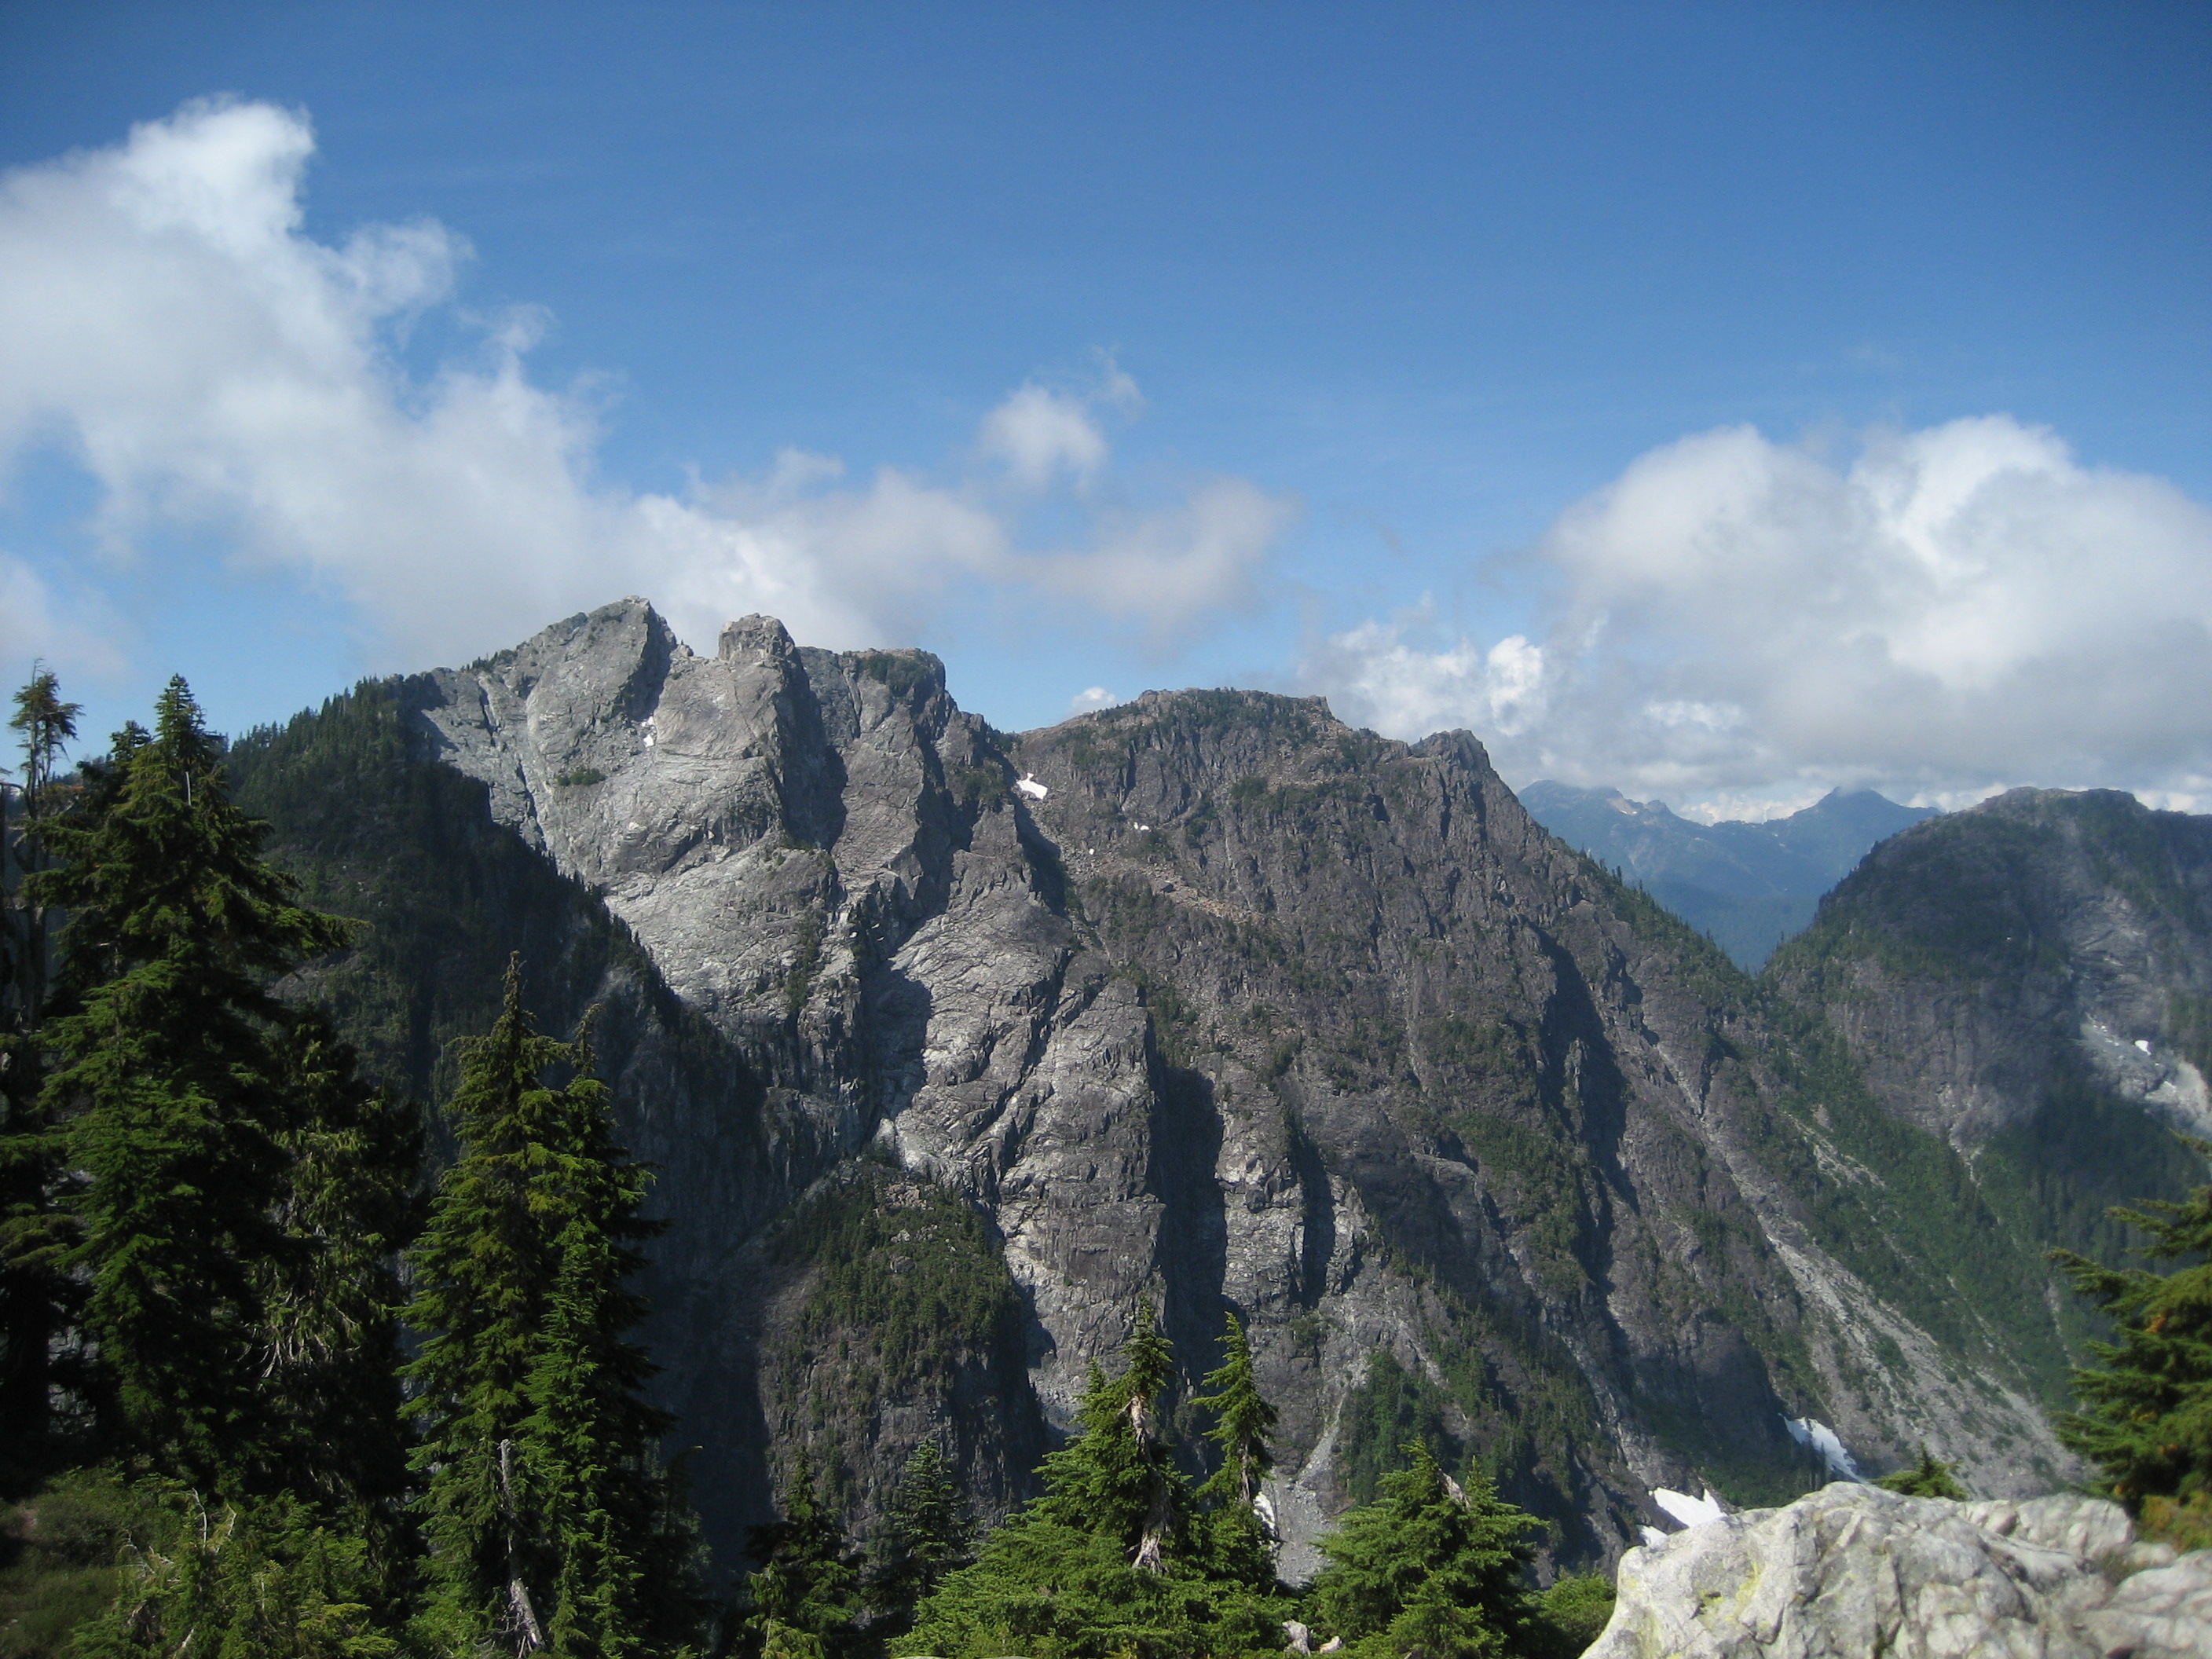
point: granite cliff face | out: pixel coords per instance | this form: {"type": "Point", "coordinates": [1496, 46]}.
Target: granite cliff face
{"type": "Point", "coordinates": [953, 1045]}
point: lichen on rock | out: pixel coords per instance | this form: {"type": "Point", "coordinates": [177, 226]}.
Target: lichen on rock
{"type": "Point", "coordinates": [1853, 1571]}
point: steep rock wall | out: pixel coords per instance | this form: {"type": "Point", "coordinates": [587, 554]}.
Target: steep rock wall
{"type": "Point", "coordinates": [1248, 1011]}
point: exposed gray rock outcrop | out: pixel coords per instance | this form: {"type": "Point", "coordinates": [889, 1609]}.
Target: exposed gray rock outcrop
{"type": "Point", "coordinates": [1852, 1570]}
{"type": "Point", "coordinates": [1247, 1011]}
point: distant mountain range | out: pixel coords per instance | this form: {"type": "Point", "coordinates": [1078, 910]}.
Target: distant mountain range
{"type": "Point", "coordinates": [1747, 886]}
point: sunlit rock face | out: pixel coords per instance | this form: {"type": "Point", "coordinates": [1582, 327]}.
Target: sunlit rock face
{"type": "Point", "coordinates": [1235, 1008]}
{"type": "Point", "coordinates": [1852, 1569]}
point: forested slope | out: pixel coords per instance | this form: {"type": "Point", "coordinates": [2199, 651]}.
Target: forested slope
{"type": "Point", "coordinates": [2029, 983]}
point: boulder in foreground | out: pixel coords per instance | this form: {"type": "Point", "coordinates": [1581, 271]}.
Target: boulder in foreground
{"type": "Point", "coordinates": [1851, 1570]}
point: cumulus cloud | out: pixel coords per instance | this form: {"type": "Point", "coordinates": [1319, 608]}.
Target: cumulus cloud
{"type": "Point", "coordinates": [1091, 698]}
{"type": "Point", "coordinates": [1396, 687]}
{"type": "Point", "coordinates": [1940, 609]}
{"type": "Point", "coordinates": [1040, 434]}
{"type": "Point", "coordinates": [1165, 569]}
{"type": "Point", "coordinates": [34, 624]}
{"type": "Point", "coordinates": [166, 324]}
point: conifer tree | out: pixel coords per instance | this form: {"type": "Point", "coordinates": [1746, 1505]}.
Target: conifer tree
{"type": "Point", "coordinates": [1927, 1476]}
{"type": "Point", "coordinates": [1428, 1567]}
{"type": "Point", "coordinates": [48, 725]}
{"type": "Point", "coordinates": [2146, 1416]}
{"type": "Point", "coordinates": [235, 1196]}
{"type": "Point", "coordinates": [1103, 1563]}
{"type": "Point", "coordinates": [34, 1291]}
{"type": "Point", "coordinates": [926, 1534]}
{"type": "Point", "coordinates": [1116, 1479]}
{"type": "Point", "coordinates": [1241, 1539]}
{"type": "Point", "coordinates": [549, 1520]}
{"type": "Point", "coordinates": [166, 1095]}
{"type": "Point", "coordinates": [805, 1590]}
{"type": "Point", "coordinates": [331, 1300]}
{"type": "Point", "coordinates": [1242, 1418]}
{"type": "Point", "coordinates": [266, 1581]}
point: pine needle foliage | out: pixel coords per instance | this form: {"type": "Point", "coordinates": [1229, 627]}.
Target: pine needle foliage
{"type": "Point", "coordinates": [1429, 1567]}
{"type": "Point", "coordinates": [1239, 1541]}
{"type": "Point", "coordinates": [805, 1591]}
{"type": "Point", "coordinates": [2146, 1416]}
{"type": "Point", "coordinates": [1243, 1419]}
{"type": "Point", "coordinates": [926, 1534]}
{"type": "Point", "coordinates": [1927, 1476]}
{"type": "Point", "coordinates": [222, 1199]}
{"type": "Point", "coordinates": [1116, 1478]}
{"type": "Point", "coordinates": [1108, 1561]}
{"type": "Point", "coordinates": [170, 1105]}
{"type": "Point", "coordinates": [48, 725]}
{"type": "Point", "coordinates": [1577, 1609]}
{"type": "Point", "coordinates": [331, 1302]}
{"type": "Point", "coordinates": [38, 1295]}
{"type": "Point", "coordinates": [262, 1580]}
{"type": "Point", "coordinates": [32, 1288]}
{"type": "Point", "coordinates": [550, 1523]}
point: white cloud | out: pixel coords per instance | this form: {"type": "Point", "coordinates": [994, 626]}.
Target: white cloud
{"type": "Point", "coordinates": [1091, 698]}
{"type": "Point", "coordinates": [35, 624]}
{"type": "Point", "coordinates": [1759, 806]}
{"type": "Point", "coordinates": [166, 322]}
{"type": "Point", "coordinates": [1042, 433]}
{"type": "Point", "coordinates": [1168, 569]}
{"type": "Point", "coordinates": [1039, 433]}
{"type": "Point", "coordinates": [1375, 676]}
{"type": "Point", "coordinates": [1945, 610]}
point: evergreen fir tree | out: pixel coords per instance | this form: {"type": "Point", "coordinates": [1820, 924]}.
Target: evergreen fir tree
{"type": "Point", "coordinates": [805, 1590]}
{"type": "Point", "coordinates": [1928, 1476]}
{"type": "Point", "coordinates": [549, 1520]}
{"type": "Point", "coordinates": [34, 1291]}
{"type": "Point", "coordinates": [1428, 1567]}
{"type": "Point", "coordinates": [233, 1201]}
{"type": "Point", "coordinates": [1240, 1540]}
{"type": "Point", "coordinates": [48, 725]}
{"type": "Point", "coordinates": [1102, 1563]}
{"type": "Point", "coordinates": [926, 1534]}
{"type": "Point", "coordinates": [268, 1581]}
{"type": "Point", "coordinates": [1116, 1478]}
{"type": "Point", "coordinates": [2146, 1416]}
{"type": "Point", "coordinates": [167, 1095]}
{"type": "Point", "coordinates": [1572, 1614]}
{"type": "Point", "coordinates": [331, 1300]}
{"type": "Point", "coordinates": [1242, 1418]}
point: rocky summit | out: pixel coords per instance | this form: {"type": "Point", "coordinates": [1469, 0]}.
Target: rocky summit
{"type": "Point", "coordinates": [1851, 1570]}
{"type": "Point", "coordinates": [953, 1046]}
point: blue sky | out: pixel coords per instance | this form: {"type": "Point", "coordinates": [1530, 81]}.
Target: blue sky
{"type": "Point", "coordinates": [1719, 401]}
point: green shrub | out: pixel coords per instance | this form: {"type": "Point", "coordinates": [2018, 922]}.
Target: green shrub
{"type": "Point", "coordinates": [1928, 1477]}
{"type": "Point", "coordinates": [1577, 1609]}
{"type": "Point", "coordinates": [59, 1569]}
